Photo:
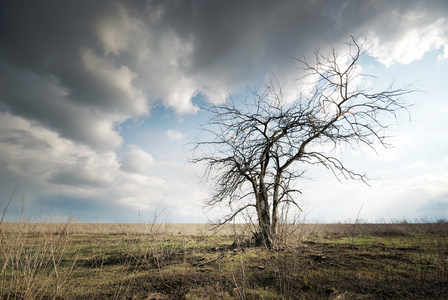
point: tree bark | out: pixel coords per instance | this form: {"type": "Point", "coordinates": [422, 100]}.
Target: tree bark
{"type": "Point", "coordinates": [275, 203]}
{"type": "Point", "coordinates": [264, 220]}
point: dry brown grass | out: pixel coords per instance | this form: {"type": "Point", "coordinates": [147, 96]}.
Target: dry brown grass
{"type": "Point", "coordinates": [191, 261]}
{"type": "Point", "coordinates": [227, 229]}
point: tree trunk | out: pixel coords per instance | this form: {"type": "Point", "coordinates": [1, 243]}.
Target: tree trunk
{"type": "Point", "coordinates": [264, 237]}
{"type": "Point", "coordinates": [275, 202]}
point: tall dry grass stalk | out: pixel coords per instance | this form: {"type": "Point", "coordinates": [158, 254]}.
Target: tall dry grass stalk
{"type": "Point", "coordinates": [29, 260]}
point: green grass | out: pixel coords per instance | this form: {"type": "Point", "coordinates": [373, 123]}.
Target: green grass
{"type": "Point", "coordinates": [408, 263]}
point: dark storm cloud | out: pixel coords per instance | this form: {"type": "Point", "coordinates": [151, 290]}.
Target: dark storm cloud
{"type": "Point", "coordinates": [240, 41]}
{"type": "Point", "coordinates": [49, 71]}
{"type": "Point", "coordinates": [70, 176]}
{"type": "Point", "coordinates": [43, 99]}
{"type": "Point", "coordinates": [252, 32]}
{"type": "Point", "coordinates": [23, 138]}
{"type": "Point", "coordinates": [44, 39]}
{"type": "Point", "coordinates": [81, 68]}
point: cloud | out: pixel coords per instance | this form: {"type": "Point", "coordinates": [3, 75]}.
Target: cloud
{"type": "Point", "coordinates": [411, 197]}
{"type": "Point", "coordinates": [51, 75]}
{"type": "Point", "coordinates": [21, 137]}
{"type": "Point", "coordinates": [50, 168]}
{"type": "Point", "coordinates": [137, 161]}
{"type": "Point", "coordinates": [415, 40]}
{"type": "Point", "coordinates": [72, 73]}
{"type": "Point", "coordinates": [83, 79]}
{"type": "Point", "coordinates": [175, 135]}
{"type": "Point", "coordinates": [117, 82]}
{"type": "Point", "coordinates": [46, 100]}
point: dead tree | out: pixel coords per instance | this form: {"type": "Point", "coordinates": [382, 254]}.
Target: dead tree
{"type": "Point", "coordinates": [257, 148]}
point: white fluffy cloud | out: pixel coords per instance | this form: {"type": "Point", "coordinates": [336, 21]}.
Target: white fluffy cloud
{"type": "Point", "coordinates": [415, 39]}
{"type": "Point", "coordinates": [137, 161]}
{"type": "Point", "coordinates": [48, 168]}
{"type": "Point", "coordinates": [175, 135]}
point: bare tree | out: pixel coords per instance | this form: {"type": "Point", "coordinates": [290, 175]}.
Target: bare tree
{"type": "Point", "coordinates": [260, 146]}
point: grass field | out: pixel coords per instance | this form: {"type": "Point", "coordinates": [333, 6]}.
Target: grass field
{"type": "Point", "coordinates": [192, 261]}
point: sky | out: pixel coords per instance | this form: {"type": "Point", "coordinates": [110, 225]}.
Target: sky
{"type": "Point", "coordinates": [99, 101]}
